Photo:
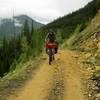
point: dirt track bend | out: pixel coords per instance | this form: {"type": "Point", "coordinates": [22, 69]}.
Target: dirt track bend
{"type": "Point", "coordinates": [60, 81]}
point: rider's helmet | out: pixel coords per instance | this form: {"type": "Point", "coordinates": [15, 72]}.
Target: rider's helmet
{"type": "Point", "coordinates": [51, 31]}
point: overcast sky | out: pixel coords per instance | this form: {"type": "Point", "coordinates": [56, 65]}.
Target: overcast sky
{"type": "Point", "coordinates": [43, 11]}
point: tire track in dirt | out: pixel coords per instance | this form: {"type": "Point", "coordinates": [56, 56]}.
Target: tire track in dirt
{"type": "Point", "coordinates": [57, 91]}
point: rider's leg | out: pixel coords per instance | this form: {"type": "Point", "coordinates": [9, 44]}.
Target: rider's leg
{"type": "Point", "coordinates": [53, 50]}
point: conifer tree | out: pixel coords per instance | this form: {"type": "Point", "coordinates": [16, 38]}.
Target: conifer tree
{"type": "Point", "coordinates": [32, 29]}
{"type": "Point", "coordinates": [24, 47]}
{"type": "Point", "coordinates": [26, 31]}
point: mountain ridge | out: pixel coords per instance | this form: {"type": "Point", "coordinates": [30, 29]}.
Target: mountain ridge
{"type": "Point", "coordinates": [6, 25]}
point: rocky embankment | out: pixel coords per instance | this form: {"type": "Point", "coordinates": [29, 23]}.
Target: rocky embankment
{"type": "Point", "coordinates": [89, 58]}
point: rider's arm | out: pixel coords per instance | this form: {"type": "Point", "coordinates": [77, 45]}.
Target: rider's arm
{"type": "Point", "coordinates": [46, 37]}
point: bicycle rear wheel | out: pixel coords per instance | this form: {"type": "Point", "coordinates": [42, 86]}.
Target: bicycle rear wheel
{"type": "Point", "coordinates": [50, 59]}
{"type": "Point", "coordinates": [50, 56]}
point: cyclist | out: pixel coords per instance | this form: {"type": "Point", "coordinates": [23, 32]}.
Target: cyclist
{"type": "Point", "coordinates": [51, 38]}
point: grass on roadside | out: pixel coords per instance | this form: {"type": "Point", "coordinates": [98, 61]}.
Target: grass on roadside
{"type": "Point", "coordinates": [13, 80]}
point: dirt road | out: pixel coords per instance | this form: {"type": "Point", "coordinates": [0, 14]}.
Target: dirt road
{"type": "Point", "coordinates": [60, 81]}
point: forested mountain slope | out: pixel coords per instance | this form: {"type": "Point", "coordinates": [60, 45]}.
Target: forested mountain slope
{"type": "Point", "coordinates": [68, 23]}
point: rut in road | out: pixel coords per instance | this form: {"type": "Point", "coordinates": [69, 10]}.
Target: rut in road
{"type": "Point", "coordinates": [60, 81]}
{"type": "Point", "coordinates": [57, 91]}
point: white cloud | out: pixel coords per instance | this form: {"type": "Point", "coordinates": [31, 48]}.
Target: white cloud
{"type": "Point", "coordinates": [42, 10]}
